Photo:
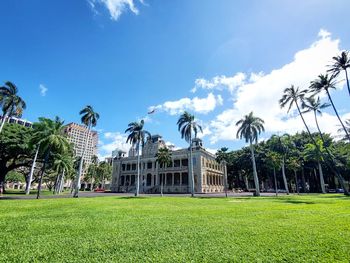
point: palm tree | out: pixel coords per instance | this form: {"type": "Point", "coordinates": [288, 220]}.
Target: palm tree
{"type": "Point", "coordinates": [315, 153]}
{"type": "Point", "coordinates": [250, 128]}
{"type": "Point", "coordinates": [186, 126]}
{"type": "Point", "coordinates": [281, 145]}
{"type": "Point", "coordinates": [315, 105]}
{"type": "Point", "coordinates": [325, 83]}
{"type": "Point", "coordinates": [163, 159]}
{"type": "Point", "coordinates": [50, 135]}
{"type": "Point", "coordinates": [136, 138]}
{"type": "Point", "coordinates": [292, 95]}
{"type": "Point", "coordinates": [63, 162]}
{"type": "Point", "coordinates": [89, 118]}
{"type": "Point", "coordinates": [341, 62]}
{"type": "Point", "coordinates": [11, 103]}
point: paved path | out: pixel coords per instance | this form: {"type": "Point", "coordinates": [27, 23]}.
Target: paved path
{"type": "Point", "coordinates": [93, 194]}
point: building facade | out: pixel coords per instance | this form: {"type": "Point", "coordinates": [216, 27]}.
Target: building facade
{"type": "Point", "coordinates": [209, 175]}
{"type": "Point", "coordinates": [77, 135]}
{"type": "Point", "coordinates": [18, 121]}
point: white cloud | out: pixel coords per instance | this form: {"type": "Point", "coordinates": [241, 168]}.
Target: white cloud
{"type": "Point", "coordinates": [115, 7]}
{"type": "Point", "coordinates": [112, 141]}
{"type": "Point", "coordinates": [198, 105]}
{"type": "Point", "coordinates": [220, 82]}
{"type": "Point", "coordinates": [43, 90]}
{"type": "Point", "coordinates": [262, 94]}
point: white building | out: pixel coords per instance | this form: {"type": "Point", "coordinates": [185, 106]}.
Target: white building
{"type": "Point", "coordinates": [209, 175]}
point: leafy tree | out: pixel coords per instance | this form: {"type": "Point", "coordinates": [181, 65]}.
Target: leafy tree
{"type": "Point", "coordinates": [14, 177]}
{"type": "Point", "coordinates": [315, 153]}
{"type": "Point", "coordinates": [274, 160]}
{"type": "Point", "coordinates": [89, 118]}
{"type": "Point", "coordinates": [137, 136]}
{"type": "Point", "coordinates": [104, 172]}
{"type": "Point", "coordinates": [186, 126]}
{"type": "Point", "coordinates": [293, 163]}
{"type": "Point", "coordinates": [325, 83]}
{"type": "Point", "coordinates": [163, 159]}
{"type": "Point", "coordinates": [250, 128]}
{"type": "Point", "coordinates": [49, 134]}
{"type": "Point", "coordinates": [341, 63]}
{"type": "Point", "coordinates": [14, 149]}
{"type": "Point", "coordinates": [10, 102]}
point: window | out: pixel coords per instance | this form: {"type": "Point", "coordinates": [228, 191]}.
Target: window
{"type": "Point", "coordinates": [149, 165]}
{"type": "Point", "coordinates": [149, 179]}
{"type": "Point", "coordinates": [184, 178]}
{"type": "Point", "coordinates": [169, 179]}
{"type": "Point", "coordinates": [184, 162]}
{"type": "Point", "coordinates": [128, 167]}
{"type": "Point", "coordinates": [133, 167]}
{"type": "Point", "coordinates": [123, 167]}
{"type": "Point", "coordinates": [176, 179]}
{"type": "Point", "coordinates": [176, 163]}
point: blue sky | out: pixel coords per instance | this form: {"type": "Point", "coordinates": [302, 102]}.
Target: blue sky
{"type": "Point", "coordinates": [218, 59]}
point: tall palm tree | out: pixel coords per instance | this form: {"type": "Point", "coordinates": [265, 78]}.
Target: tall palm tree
{"type": "Point", "coordinates": [89, 118]}
{"type": "Point", "coordinates": [137, 136]}
{"type": "Point", "coordinates": [292, 96]}
{"type": "Point", "coordinates": [311, 104]}
{"type": "Point", "coordinates": [50, 135]}
{"type": "Point", "coordinates": [10, 102]}
{"type": "Point", "coordinates": [315, 153]}
{"type": "Point", "coordinates": [163, 159]}
{"type": "Point", "coordinates": [250, 128]}
{"type": "Point", "coordinates": [325, 83]}
{"type": "Point", "coordinates": [341, 62]}
{"type": "Point", "coordinates": [186, 126]}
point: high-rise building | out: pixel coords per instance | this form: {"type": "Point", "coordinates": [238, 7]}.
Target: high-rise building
{"type": "Point", "coordinates": [18, 121]}
{"type": "Point", "coordinates": [77, 135]}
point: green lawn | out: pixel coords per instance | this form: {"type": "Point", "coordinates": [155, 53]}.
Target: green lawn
{"type": "Point", "coordinates": [110, 229]}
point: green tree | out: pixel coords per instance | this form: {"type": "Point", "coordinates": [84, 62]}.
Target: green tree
{"type": "Point", "coordinates": [186, 126]}
{"type": "Point", "coordinates": [49, 134]}
{"type": "Point", "coordinates": [250, 128]}
{"type": "Point", "coordinates": [14, 149]}
{"type": "Point", "coordinates": [63, 163]}
{"type": "Point", "coordinates": [325, 83]}
{"type": "Point", "coordinates": [274, 160]}
{"type": "Point", "coordinates": [10, 102]}
{"type": "Point", "coordinates": [89, 118]}
{"type": "Point", "coordinates": [137, 136]}
{"type": "Point", "coordinates": [341, 63]}
{"type": "Point", "coordinates": [315, 153]}
{"type": "Point", "coordinates": [163, 159]}
{"type": "Point", "coordinates": [104, 172]}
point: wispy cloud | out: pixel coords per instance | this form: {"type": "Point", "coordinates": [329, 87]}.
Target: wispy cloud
{"type": "Point", "coordinates": [43, 90]}
{"type": "Point", "coordinates": [115, 7]}
{"type": "Point", "coordinates": [198, 105]}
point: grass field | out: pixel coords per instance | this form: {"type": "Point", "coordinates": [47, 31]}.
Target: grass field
{"type": "Point", "coordinates": [172, 229]}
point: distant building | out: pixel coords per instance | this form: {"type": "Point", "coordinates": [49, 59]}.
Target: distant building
{"type": "Point", "coordinates": [77, 135]}
{"type": "Point", "coordinates": [19, 121]}
{"type": "Point", "coordinates": [209, 175]}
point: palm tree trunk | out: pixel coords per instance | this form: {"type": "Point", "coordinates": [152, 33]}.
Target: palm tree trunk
{"type": "Point", "coordinates": [162, 184]}
{"type": "Point", "coordinates": [3, 121]}
{"type": "Point", "coordinates": [191, 168]}
{"type": "Point", "coordinates": [284, 176]}
{"type": "Point", "coordinates": [332, 166]}
{"type": "Point", "coordinates": [77, 186]}
{"type": "Point", "coordinates": [347, 80]}
{"type": "Point", "coordinates": [42, 173]}
{"type": "Point", "coordinates": [138, 170]}
{"type": "Point", "coordinates": [336, 112]}
{"type": "Point", "coordinates": [255, 174]}
{"type": "Point", "coordinates": [296, 181]}
{"type": "Point", "coordinates": [340, 178]}
{"type": "Point", "coordinates": [323, 189]}
{"type": "Point", "coordinates": [61, 182]}
{"type": "Point", "coordinates": [246, 182]}
{"type": "Point", "coordinates": [32, 172]}
{"type": "Point", "coordinates": [275, 179]}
